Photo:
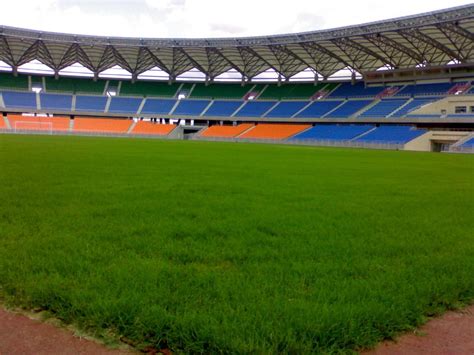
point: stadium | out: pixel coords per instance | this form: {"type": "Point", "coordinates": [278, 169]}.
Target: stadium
{"type": "Point", "coordinates": [299, 193]}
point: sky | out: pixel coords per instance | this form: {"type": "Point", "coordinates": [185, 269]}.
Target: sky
{"type": "Point", "coordinates": [203, 18]}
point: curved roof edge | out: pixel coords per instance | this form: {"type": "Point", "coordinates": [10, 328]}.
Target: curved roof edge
{"type": "Point", "coordinates": [423, 19]}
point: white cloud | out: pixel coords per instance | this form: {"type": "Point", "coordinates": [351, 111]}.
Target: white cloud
{"type": "Point", "coordinates": [203, 18]}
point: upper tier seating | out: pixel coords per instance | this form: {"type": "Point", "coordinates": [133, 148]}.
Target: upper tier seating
{"type": "Point", "coordinates": [74, 85]}
{"type": "Point", "coordinates": [255, 108]}
{"type": "Point", "coordinates": [333, 132]}
{"type": "Point", "coordinates": [149, 88]}
{"type": "Point", "coordinates": [19, 122]}
{"type": "Point", "coordinates": [291, 91]}
{"type": "Point", "coordinates": [19, 99]}
{"type": "Point", "coordinates": [85, 124]}
{"type": "Point", "coordinates": [158, 106]}
{"type": "Point", "coordinates": [11, 82]}
{"type": "Point", "coordinates": [274, 131]}
{"type": "Point", "coordinates": [413, 105]}
{"type": "Point", "coordinates": [124, 105]}
{"type": "Point", "coordinates": [287, 108]}
{"type": "Point", "coordinates": [191, 107]}
{"type": "Point", "coordinates": [425, 89]}
{"type": "Point", "coordinates": [149, 128]}
{"type": "Point", "coordinates": [91, 103]}
{"type": "Point", "coordinates": [384, 108]}
{"type": "Point", "coordinates": [223, 108]}
{"type": "Point", "coordinates": [349, 108]}
{"type": "Point", "coordinates": [219, 91]}
{"type": "Point", "coordinates": [319, 108]}
{"type": "Point", "coordinates": [392, 134]}
{"type": "Point", "coordinates": [56, 102]}
{"type": "Point", "coordinates": [347, 90]}
{"type": "Point", "coordinates": [226, 131]}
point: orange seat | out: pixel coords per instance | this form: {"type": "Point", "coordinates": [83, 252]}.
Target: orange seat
{"type": "Point", "coordinates": [3, 125]}
{"type": "Point", "coordinates": [144, 127]}
{"type": "Point", "coordinates": [92, 124]}
{"type": "Point", "coordinates": [19, 122]}
{"type": "Point", "coordinates": [226, 131]}
{"type": "Point", "coordinates": [274, 131]}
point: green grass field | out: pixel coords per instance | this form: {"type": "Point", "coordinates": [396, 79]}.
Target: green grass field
{"type": "Point", "coordinates": [234, 248]}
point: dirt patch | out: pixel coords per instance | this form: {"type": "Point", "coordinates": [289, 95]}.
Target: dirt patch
{"type": "Point", "coordinates": [452, 333]}
{"type": "Point", "coordinates": [20, 334]}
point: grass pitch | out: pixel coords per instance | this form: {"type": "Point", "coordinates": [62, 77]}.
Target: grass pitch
{"type": "Point", "coordinates": [235, 248]}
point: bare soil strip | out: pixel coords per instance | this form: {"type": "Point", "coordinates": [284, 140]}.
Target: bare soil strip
{"type": "Point", "coordinates": [452, 333]}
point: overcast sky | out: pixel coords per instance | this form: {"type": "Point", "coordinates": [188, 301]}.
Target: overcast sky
{"type": "Point", "coordinates": [203, 18]}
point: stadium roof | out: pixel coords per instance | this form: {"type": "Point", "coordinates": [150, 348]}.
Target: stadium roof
{"type": "Point", "coordinates": [434, 38]}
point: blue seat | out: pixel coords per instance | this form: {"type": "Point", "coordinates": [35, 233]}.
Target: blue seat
{"type": "Point", "coordinates": [223, 108]}
{"type": "Point", "coordinates": [191, 107]}
{"type": "Point", "coordinates": [158, 106]}
{"type": "Point", "coordinates": [347, 90]}
{"type": "Point", "coordinates": [124, 105]}
{"type": "Point", "coordinates": [349, 108]}
{"type": "Point", "coordinates": [255, 108]}
{"type": "Point", "coordinates": [469, 143]}
{"type": "Point", "coordinates": [412, 106]}
{"type": "Point", "coordinates": [318, 109]}
{"type": "Point", "coordinates": [425, 89]}
{"type": "Point", "coordinates": [384, 108]}
{"type": "Point", "coordinates": [286, 108]}
{"type": "Point", "coordinates": [91, 103]}
{"type": "Point", "coordinates": [333, 132]}
{"type": "Point", "coordinates": [56, 102]}
{"type": "Point", "coordinates": [392, 134]}
{"type": "Point", "coordinates": [19, 99]}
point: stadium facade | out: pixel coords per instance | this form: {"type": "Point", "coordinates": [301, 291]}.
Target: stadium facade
{"type": "Point", "coordinates": [410, 85]}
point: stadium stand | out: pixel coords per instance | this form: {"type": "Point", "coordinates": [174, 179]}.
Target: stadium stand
{"type": "Point", "coordinates": [255, 108]}
{"type": "Point", "coordinates": [91, 103]}
{"type": "Point", "coordinates": [219, 91]}
{"type": "Point", "coordinates": [413, 105]}
{"type": "Point", "coordinates": [74, 85]}
{"type": "Point", "coordinates": [158, 106]}
{"type": "Point", "coordinates": [468, 144]}
{"type": "Point", "coordinates": [191, 107]}
{"type": "Point", "coordinates": [10, 82]}
{"type": "Point", "coordinates": [3, 124]}
{"type": "Point", "coordinates": [56, 102]}
{"type": "Point", "coordinates": [319, 109]}
{"type": "Point", "coordinates": [19, 99]}
{"type": "Point", "coordinates": [349, 108]}
{"type": "Point", "coordinates": [223, 108]}
{"type": "Point", "coordinates": [226, 131]}
{"type": "Point", "coordinates": [287, 109]}
{"type": "Point", "coordinates": [425, 89]}
{"type": "Point", "coordinates": [19, 122]}
{"type": "Point", "coordinates": [384, 108]}
{"type": "Point", "coordinates": [274, 131]}
{"type": "Point", "coordinates": [291, 91]}
{"type": "Point", "coordinates": [124, 105]}
{"type": "Point", "coordinates": [96, 124]}
{"type": "Point", "coordinates": [333, 132]}
{"type": "Point", "coordinates": [149, 128]}
{"type": "Point", "coordinates": [392, 134]}
{"type": "Point", "coordinates": [149, 88]}
{"type": "Point", "coordinates": [346, 90]}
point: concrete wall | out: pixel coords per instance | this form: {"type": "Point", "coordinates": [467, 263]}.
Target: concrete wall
{"type": "Point", "coordinates": [447, 104]}
{"type": "Point", "coordinates": [425, 141]}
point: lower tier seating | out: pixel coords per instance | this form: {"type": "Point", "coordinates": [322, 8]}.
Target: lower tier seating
{"type": "Point", "coordinates": [92, 124]}
{"type": "Point", "coordinates": [3, 124]}
{"type": "Point", "coordinates": [392, 134]}
{"type": "Point", "coordinates": [226, 131]}
{"type": "Point", "coordinates": [149, 128]}
{"type": "Point", "coordinates": [469, 143]}
{"type": "Point", "coordinates": [19, 122]}
{"type": "Point", "coordinates": [333, 132]}
{"type": "Point", "coordinates": [274, 131]}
